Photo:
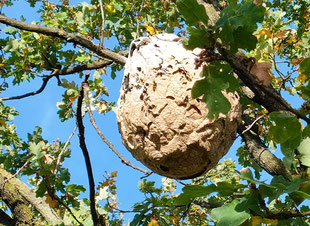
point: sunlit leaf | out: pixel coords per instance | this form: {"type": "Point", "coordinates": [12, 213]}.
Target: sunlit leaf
{"type": "Point", "coordinates": [286, 127]}
{"type": "Point", "coordinates": [304, 150]}
{"type": "Point", "coordinates": [231, 214]}
{"type": "Point", "coordinates": [218, 77]}
{"type": "Point", "coordinates": [192, 11]}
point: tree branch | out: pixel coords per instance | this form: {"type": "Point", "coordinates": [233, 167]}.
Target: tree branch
{"type": "Point", "coordinates": [262, 156]}
{"type": "Point", "coordinates": [40, 90]}
{"type": "Point", "coordinates": [265, 96]}
{"type": "Point", "coordinates": [104, 139]}
{"type": "Point", "coordinates": [69, 37]}
{"type": "Point", "coordinates": [5, 219]}
{"type": "Point", "coordinates": [58, 72]}
{"type": "Point", "coordinates": [91, 181]}
{"type": "Point", "coordinates": [18, 195]}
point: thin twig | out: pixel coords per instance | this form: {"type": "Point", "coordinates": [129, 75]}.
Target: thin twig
{"type": "Point", "coordinates": [17, 172]}
{"type": "Point", "coordinates": [138, 21]}
{"type": "Point", "coordinates": [57, 72]}
{"type": "Point", "coordinates": [91, 181]}
{"type": "Point", "coordinates": [252, 124]}
{"type": "Point", "coordinates": [53, 196]}
{"type": "Point", "coordinates": [64, 149]}
{"type": "Point", "coordinates": [104, 139]}
{"type": "Point", "coordinates": [102, 24]}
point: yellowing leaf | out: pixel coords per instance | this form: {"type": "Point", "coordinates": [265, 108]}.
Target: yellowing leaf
{"type": "Point", "coordinates": [175, 219]}
{"type": "Point", "coordinates": [262, 71]}
{"type": "Point", "coordinates": [51, 202]}
{"type": "Point", "coordinates": [302, 78]}
{"type": "Point", "coordinates": [2, 122]}
{"type": "Point", "coordinates": [110, 8]}
{"type": "Point", "coordinates": [264, 32]}
{"type": "Point", "coordinates": [153, 223]}
{"type": "Point", "coordinates": [103, 71]}
{"type": "Point", "coordinates": [270, 221]}
{"type": "Point", "coordinates": [292, 39]}
{"type": "Point", "coordinates": [47, 158]}
{"type": "Point", "coordinates": [150, 29]}
{"type": "Point", "coordinates": [256, 220]}
{"type": "Point", "coordinates": [297, 61]}
{"type": "Point", "coordinates": [280, 34]}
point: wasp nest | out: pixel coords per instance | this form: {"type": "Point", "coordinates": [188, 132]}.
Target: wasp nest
{"type": "Point", "coordinates": [160, 123]}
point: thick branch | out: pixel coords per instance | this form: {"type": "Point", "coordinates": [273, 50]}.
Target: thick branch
{"type": "Point", "coordinates": [5, 219]}
{"type": "Point", "coordinates": [265, 96]}
{"type": "Point", "coordinates": [69, 37]}
{"type": "Point", "coordinates": [91, 181]}
{"type": "Point", "coordinates": [104, 139]}
{"type": "Point", "coordinates": [14, 188]}
{"type": "Point", "coordinates": [262, 156]}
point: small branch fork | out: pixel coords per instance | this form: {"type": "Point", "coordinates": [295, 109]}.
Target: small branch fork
{"type": "Point", "coordinates": [91, 181]}
{"type": "Point", "coordinates": [258, 150]}
{"type": "Point", "coordinates": [79, 117]}
{"type": "Point", "coordinates": [58, 72]}
{"type": "Point", "coordinates": [110, 145]}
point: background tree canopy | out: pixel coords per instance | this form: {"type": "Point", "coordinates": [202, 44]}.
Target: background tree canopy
{"type": "Point", "coordinates": [244, 38]}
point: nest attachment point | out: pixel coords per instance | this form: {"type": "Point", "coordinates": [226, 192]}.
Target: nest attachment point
{"type": "Point", "coordinates": [160, 123]}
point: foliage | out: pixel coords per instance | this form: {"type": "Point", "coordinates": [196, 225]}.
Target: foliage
{"type": "Point", "coordinates": [261, 31]}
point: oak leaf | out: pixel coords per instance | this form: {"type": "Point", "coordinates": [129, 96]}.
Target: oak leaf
{"type": "Point", "coordinates": [262, 71]}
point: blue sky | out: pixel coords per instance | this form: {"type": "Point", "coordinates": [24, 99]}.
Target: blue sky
{"type": "Point", "coordinates": [41, 110]}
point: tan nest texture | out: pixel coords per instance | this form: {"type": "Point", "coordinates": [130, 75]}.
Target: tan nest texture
{"type": "Point", "coordinates": [160, 123]}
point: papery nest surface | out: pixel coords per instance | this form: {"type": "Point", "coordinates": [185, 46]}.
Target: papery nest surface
{"type": "Point", "coordinates": [160, 123]}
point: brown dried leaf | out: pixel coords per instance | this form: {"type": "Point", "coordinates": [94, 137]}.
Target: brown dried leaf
{"type": "Point", "coordinates": [262, 71]}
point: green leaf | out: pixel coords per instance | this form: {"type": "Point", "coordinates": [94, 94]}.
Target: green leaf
{"type": "Point", "coordinates": [288, 152]}
{"type": "Point", "coordinates": [137, 220]}
{"type": "Point", "coordinates": [247, 43]}
{"type": "Point", "coordinates": [61, 16]}
{"type": "Point", "coordinates": [286, 127]}
{"type": "Point", "coordinates": [299, 196]}
{"type": "Point", "coordinates": [192, 12]}
{"type": "Point", "coordinates": [306, 131]}
{"type": "Point", "coordinates": [75, 189]}
{"type": "Point", "coordinates": [237, 24]}
{"type": "Point", "coordinates": [231, 214]}
{"type": "Point", "coordinates": [304, 150]}
{"type": "Point", "coordinates": [41, 189]}
{"type": "Point", "coordinates": [252, 202]}
{"type": "Point", "coordinates": [36, 150]}
{"type": "Point", "coordinates": [225, 188]}
{"type": "Point", "coordinates": [191, 192]}
{"type": "Point", "coordinates": [9, 30]}
{"type": "Point", "coordinates": [218, 77]}
{"type": "Point", "coordinates": [82, 58]}
{"type": "Point", "coordinates": [198, 38]}
{"type": "Point", "coordinates": [305, 66]}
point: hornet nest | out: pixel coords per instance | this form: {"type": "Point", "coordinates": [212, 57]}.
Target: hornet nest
{"type": "Point", "coordinates": [160, 123]}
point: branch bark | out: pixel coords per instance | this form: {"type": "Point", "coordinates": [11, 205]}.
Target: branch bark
{"type": "Point", "coordinates": [261, 154]}
{"type": "Point", "coordinates": [91, 181]}
{"type": "Point", "coordinates": [58, 72]}
{"type": "Point", "coordinates": [265, 96]}
{"type": "Point", "coordinates": [5, 220]}
{"type": "Point", "coordinates": [18, 196]}
{"type": "Point", "coordinates": [69, 37]}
